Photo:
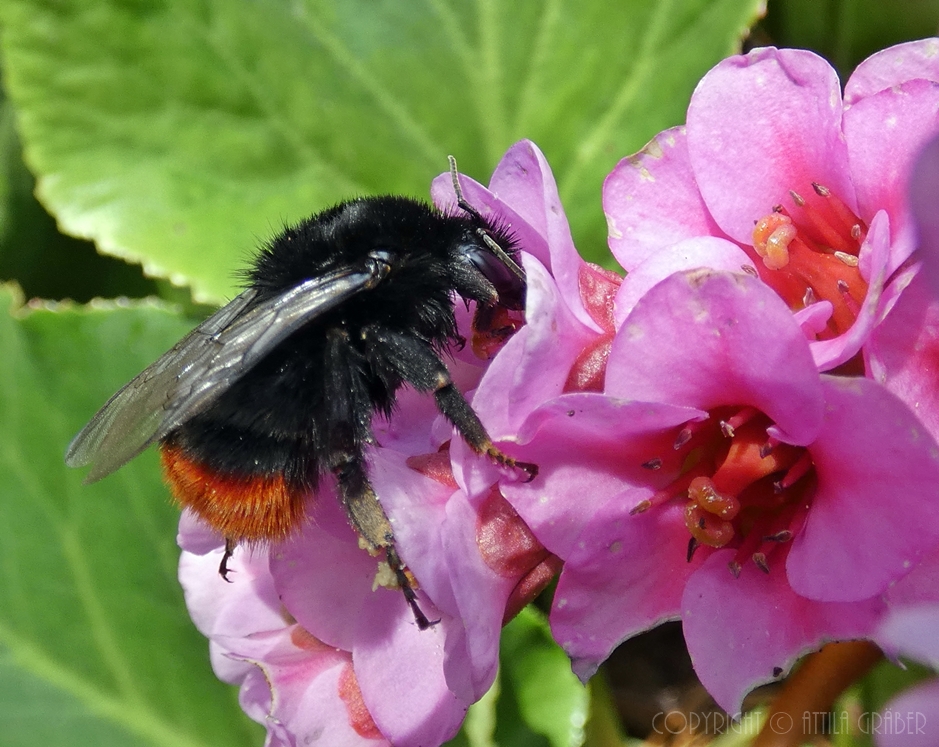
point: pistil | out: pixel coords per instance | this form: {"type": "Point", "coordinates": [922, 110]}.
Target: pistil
{"type": "Point", "coordinates": [740, 487]}
{"type": "Point", "coordinates": [809, 253]}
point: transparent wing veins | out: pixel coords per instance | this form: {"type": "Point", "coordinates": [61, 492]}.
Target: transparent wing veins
{"type": "Point", "coordinates": [201, 366]}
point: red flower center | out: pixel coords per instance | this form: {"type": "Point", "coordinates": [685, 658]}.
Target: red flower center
{"type": "Point", "coordinates": [809, 252]}
{"type": "Point", "coordinates": [741, 487]}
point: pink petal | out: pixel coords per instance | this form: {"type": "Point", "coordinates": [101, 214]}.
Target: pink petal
{"type": "Point", "coordinates": [912, 632]}
{"type": "Point", "coordinates": [876, 512]}
{"type": "Point", "coordinates": [706, 339]}
{"type": "Point", "coordinates": [307, 706]}
{"type": "Point", "coordinates": [247, 605]}
{"type": "Point", "coordinates": [323, 577]}
{"type": "Point", "coordinates": [924, 201]}
{"type": "Point", "coordinates": [651, 201]}
{"type": "Point", "coordinates": [534, 365]}
{"type": "Point", "coordinates": [689, 254]}
{"type": "Point", "coordinates": [481, 595]}
{"type": "Point", "coordinates": [416, 507]}
{"type": "Point", "coordinates": [760, 125]}
{"type": "Point", "coordinates": [196, 536]}
{"type": "Point", "coordinates": [747, 631]}
{"type": "Point", "coordinates": [909, 720]}
{"type": "Point", "coordinates": [893, 67]}
{"type": "Point", "coordinates": [884, 133]}
{"type": "Point", "coordinates": [919, 586]}
{"type": "Point", "coordinates": [523, 179]}
{"type": "Point", "coordinates": [400, 670]}
{"type": "Point", "coordinates": [625, 575]}
{"type": "Point", "coordinates": [874, 257]}
{"type": "Point", "coordinates": [588, 448]}
{"type": "Point", "coordinates": [904, 352]}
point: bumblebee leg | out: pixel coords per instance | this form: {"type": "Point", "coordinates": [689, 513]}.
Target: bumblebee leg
{"type": "Point", "coordinates": [223, 569]}
{"type": "Point", "coordinates": [416, 363]}
{"type": "Point", "coordinates": [369, 520]}
{"type": "Point", "coordinates": [347, 432]}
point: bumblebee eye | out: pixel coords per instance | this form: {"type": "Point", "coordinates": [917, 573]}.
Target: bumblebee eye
{"type": "Point", "coordinates": [510, 287]}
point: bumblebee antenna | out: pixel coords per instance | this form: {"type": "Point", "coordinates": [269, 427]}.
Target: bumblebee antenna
{"type": "Point", "coordinates": [482, 232]}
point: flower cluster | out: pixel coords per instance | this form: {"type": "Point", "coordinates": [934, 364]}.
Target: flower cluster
{"type": "Point", "coordinates": [740, 433]}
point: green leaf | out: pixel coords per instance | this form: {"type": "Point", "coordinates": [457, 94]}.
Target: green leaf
{"type": "Point", "coordinates": [847, 31]}
{"type": "Point", "coordinates": [34, 254]}
{"type": "Point", "coordinates": [95, 643]}
{"type": "Point", "coordinates": [179, 134]}
{"type": "Point", "coordinates": [536, 674]}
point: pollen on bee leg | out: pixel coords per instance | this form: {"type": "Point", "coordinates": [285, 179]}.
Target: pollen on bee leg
{"type": "Point", "coordinates": [385, 577]}
{"type": "Point", "coordinates": [364, 544]}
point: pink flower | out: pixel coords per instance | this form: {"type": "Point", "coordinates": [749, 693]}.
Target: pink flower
{"type": "Point", "coordinates": [912, 718]}
{"type": "Point", "coordinates": [308, 628]}
{"type": "Point", "coordinates": [720, 479]}
{"type": "Point", "coordinates": [924, 201]}
{"type": "Point", "coordinates": [785, 175]}
{"type": "Point", "coordinates": [903, 353]}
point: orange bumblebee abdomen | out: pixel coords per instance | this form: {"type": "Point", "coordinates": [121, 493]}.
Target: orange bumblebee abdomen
{"type": "Point", "coordinates": [244, 508]}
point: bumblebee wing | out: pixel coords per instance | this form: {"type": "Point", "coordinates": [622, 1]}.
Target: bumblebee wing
{"type": "Point", "coordinates": [201, 366]}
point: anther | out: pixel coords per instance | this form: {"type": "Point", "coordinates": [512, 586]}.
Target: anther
{"type": "Point", "coordinates": [843, 286]}
{"type": "Point", "coordinates": [809, 298]}
{"type": "Point", "coordinates": [640, 507]}
{"type": "Point", "coordinates": [727, 429]}
{"type": "Point", "coordinates": [653, 464]}
{"type": "Point", "coordinates": [684, 436]}
{"type": "Point", "coordinates": [693, 545]}
{"type": "Point", "coordinates": [849, 259]}
{"type": "Point", "coordinates": [760, 560]}
{"type": "Point", "coordinates": [767, 448]}
{"type": "Point", "coordinates": [782, 536]}
{"type": "Point", "coordinates": [856, 232]}
{"type": "Point", "coordinates": [734, 568]}
{"type": "Point", "coordinates": [797, 471]}
{"type": "Point", "coordinates": [797, 198]}
{"type": "Point", "coordinates": [820, 190]}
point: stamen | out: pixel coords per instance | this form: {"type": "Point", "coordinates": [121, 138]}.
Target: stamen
{"type": "Point", "coordinates": [849, 259]}
{"type": "Point", "coordinates": [743, 415]}
{"type": "Point", "coordinates": [767, 448]}
{"type": "Point", "coordinates": [848, 300]}
{"type": "Point", "coordinates": [683, 437]}
{"type": "Point", "coordinates": [781, 536]}
{"type": "Point", "coordinates": [760, 560]}
{"type": "Point", "coordinates": [809, 298]}
{"type": "Point", "coordinates": [797, 471]}
{"type": "Point", "coordinates": [856, 232]}
{"type": "Point", "coordinates": [727, 429]}
{"type": "Point", "coordinates": [797, 198]}
{"type": "Point", "coordinates": [693, 545]}
{"type": "Point", "coordinates": [832, 235]}
{"type": "Point", "coordinates": [734, 568]}
{"type": "Point", "coordinates": [842, 212]}
{"type": "Point", "coordinates": [675, 489]}
{"type": "Point", "coordinates": [653, 464]}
